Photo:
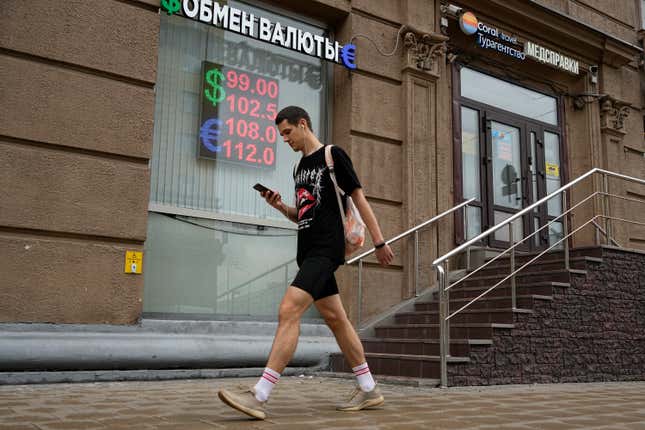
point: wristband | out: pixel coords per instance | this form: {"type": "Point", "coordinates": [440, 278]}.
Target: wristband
{"type": "Point", "coordinates": [379, 246]}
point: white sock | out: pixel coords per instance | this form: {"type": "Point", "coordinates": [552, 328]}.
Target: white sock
{"type": "Point", "coordinates": [265, 384]}
{"type": "Point", "coordinates": [364, 376]}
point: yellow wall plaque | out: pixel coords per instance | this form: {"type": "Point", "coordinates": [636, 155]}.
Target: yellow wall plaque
{"type": "Point", "coordinates": [133, 262]}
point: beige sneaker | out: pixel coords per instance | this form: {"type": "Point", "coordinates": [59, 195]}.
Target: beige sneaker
{"type": "Point", "coordinates": [244, 401]}
{"type": "Point", "coordinates": [359, 399]}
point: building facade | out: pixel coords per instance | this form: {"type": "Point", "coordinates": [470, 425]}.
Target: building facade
{"type": "Point", "coordinates": [141, 126]}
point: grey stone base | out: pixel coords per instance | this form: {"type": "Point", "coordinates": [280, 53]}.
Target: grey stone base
{"type": "Point", "coordinates": [23, 378]}
{"type": "Point", "coordinates": [153, 345]}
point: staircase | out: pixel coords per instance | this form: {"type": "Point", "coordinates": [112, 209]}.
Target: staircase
{"type": "Point", "coordinates": [491, 343]}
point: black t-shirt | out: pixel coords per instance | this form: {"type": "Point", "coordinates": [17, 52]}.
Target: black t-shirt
{"type": "Point", "coordinates": [320, 226]}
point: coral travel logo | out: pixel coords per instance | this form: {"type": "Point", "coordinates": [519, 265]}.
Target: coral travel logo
{"type": "Point", "coordinates": [468, 23]}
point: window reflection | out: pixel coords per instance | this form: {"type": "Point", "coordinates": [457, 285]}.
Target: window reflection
{"type": "Point", "coordinates": [503, 233]}
{"type": "Point", "coordinates": [509, 97]}
{"type": "Point", "coordinates": [470, 153]}
{"type": "Point", "coordinates": [507, 167]}
{"type": "Point", "coordinates": [555, 234]}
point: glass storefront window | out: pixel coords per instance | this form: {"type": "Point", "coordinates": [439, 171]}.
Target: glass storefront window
{"type": "Point", "coordinates": [205, 267]}
{"type": "Point", "coordinates": [509, 97]}
{"type": "Point", "coordinates": [218, 248]}
{"type": "Point", "coordinates": [181, 176]}
{"type": "Point", "coordinates": [470, 159]}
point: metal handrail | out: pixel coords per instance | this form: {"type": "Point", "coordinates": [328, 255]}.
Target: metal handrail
{"type": "Point", "coordinates": [501, 254]}
{"type": "Point", "coordinates": [441, 263]}
{"type": "Point", "coordinates": [521, 268]}
{"type": "Point", "coordinates": [529, 208]}
{"type": "Point", "coordinates": [414, 230]}
{"type": "Point", "coordinates": [604, 232]}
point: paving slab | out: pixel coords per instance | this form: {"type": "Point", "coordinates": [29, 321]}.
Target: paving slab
{"type": "Point", "coordinates": [309, 403]}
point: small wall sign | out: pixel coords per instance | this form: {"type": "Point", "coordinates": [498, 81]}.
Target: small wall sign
{"type": "Point", "coordinates": [133, 262]}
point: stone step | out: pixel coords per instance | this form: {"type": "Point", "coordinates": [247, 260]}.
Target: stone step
{"type": "Point", "coordinates": [504, 268]}
{"type": "Point", "coordinates": [522, 277]}
{"type": "Point", "coordinates": [458, 347]}
{"type": "Point", "coordinates": [414, 366]}
{"type": "Point", "coordinates": [594, 252]}
{"type": "Point", "coordinates": [504, 290]}
{"type": "Point", "coordinates": [431, 331]}
{"type": "Point", "coordinates": [545, 259]}
{"type": "Point", "coordinates": [496, 302]}
{"type": "Point", "coordinates": [503, 316]}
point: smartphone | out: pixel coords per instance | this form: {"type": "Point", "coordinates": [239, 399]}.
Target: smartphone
{"type": "Point", "coordinates": [260, 188]}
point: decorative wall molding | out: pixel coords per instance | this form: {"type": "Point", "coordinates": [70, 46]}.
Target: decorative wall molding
{"type": "Point", "coordinates": [613, 113]}
{"type": "Point", "coordinates": [424, 50]}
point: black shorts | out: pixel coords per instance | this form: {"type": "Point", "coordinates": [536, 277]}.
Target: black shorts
{"type": "Point", "coordinates": [316, 276]}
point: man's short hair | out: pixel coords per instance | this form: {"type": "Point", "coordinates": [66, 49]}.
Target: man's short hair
{"type": "Point", "coordinates": [293, 114]}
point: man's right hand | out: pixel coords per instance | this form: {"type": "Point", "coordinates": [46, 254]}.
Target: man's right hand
{"type": "Point", "coordinates": [274, 199]}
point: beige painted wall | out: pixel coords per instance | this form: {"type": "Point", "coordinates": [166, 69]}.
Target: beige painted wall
{"type": "Point", "coordinates": [75, 137]}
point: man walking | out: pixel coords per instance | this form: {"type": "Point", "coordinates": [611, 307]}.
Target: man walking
{"type": "Point", "coordinates": [321, 249]}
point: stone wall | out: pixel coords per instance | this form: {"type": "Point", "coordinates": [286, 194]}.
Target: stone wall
{"type": "Point", "coordinates": [592, 331]}
{"type": "Point", "coordinates": [76, 125]}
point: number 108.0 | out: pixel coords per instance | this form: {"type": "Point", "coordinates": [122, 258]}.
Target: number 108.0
{"type": "Point", "coordinates": [249, 153]}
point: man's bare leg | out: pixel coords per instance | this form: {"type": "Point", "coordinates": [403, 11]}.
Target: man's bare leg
{"type": "Point", "coordinates": [294, 303]}
{"type": "Point", "coordinates": [334, 314]}
{"type": "Point", "coordinates": [331, 309]}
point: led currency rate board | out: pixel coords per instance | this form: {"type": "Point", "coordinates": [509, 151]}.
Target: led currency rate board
{"type": "Point", "coordinates": [237, 116]}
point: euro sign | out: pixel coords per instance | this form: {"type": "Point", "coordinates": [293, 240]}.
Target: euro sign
{"type": "Point", "coordinates": [171, 6]}
{"type": "Point", "coordinates": [348, 55]}
{"type": "Point", "coordinates": [209, 134]}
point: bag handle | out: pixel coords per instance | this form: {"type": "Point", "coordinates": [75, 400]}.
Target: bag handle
{"type": "Point", "coordinates": [330, 165]}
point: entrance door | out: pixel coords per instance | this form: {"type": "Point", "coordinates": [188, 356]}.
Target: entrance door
{"type": "Point", "coordinates": [508, 154]}
{"type": "Point", "coordinates": [507, 174]}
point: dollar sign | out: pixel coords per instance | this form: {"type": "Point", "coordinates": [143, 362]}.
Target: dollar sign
{"type": "Point", "coordinates": [217, 94]}
{"type": "Point", "coordinates": [171, 6]}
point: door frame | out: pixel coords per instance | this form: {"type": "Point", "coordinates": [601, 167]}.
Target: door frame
{"type": "Point", "coordinates": [526, 125]}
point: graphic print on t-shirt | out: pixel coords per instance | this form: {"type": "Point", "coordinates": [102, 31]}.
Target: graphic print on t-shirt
{"type": "Point", "coordinates": [308, 194]}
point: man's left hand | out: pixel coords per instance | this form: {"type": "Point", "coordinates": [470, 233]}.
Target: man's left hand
{"type": "Point", "coordinates": [385, 255]}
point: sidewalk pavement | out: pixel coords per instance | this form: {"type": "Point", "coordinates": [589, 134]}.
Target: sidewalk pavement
{"type": "Point", "coordinates": [308, 403]}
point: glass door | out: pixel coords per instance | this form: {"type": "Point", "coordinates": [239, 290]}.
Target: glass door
{"type": "Point", "coordinates": [507, 177]}
{"type": "Point", "coordinates": [545, 173]}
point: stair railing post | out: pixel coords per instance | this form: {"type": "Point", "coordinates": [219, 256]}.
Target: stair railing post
{"type": "Point", "coordinates": [565, 229]}
{"type": "Point", "coordinates": [360, 293]}
{"type": "Point", "coordinates": [466, 237]}
{"type": "Point", "coordinates": [443, 326]}
{"type": "Point", "coordinates": [512, 242]}
{"type": "Point", "coordinates": [606, 210]}
{"type": "Point", "coordinates": [416, 263]}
